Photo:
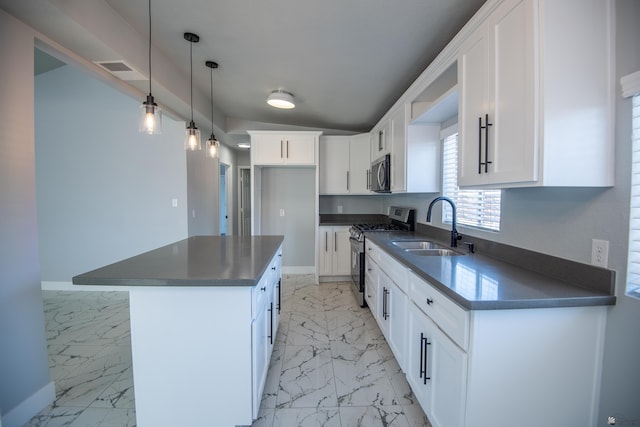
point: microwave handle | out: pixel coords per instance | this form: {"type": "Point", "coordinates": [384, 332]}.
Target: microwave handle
{"type": "Point", "coordinates": [381, 179]}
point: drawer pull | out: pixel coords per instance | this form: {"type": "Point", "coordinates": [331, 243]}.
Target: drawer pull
{"type": "Point", "coordinates": [429, 301]}
{"type": "Point", "coordinates": [264, 288]}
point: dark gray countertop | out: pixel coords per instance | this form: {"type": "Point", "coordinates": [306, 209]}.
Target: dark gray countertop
{"type": "Point", "coordinates": [196, 261]}
{"type": "Point", "coordinates": [478, 282]}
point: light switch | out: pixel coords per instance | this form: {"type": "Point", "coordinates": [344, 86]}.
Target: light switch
{"type": "Point", "coordinates": [174, 203]}
{"type": "Point", "coordinates": [281, 212]}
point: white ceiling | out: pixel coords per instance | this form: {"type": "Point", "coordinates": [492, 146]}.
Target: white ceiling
{"type": "Point", "coordinates": [345, 61]}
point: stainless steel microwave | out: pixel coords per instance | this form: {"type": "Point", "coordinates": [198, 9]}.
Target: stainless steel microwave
{"type": "Point", "coordinates": [381, 174]}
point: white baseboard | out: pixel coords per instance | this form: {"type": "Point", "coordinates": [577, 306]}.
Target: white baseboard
{"type": "Point", "coordinates": [299, 270]}
{"type": "Point", "coordinates": [30, 407]}
{"type": "Point", "coordinates": [335, 278]}
{"type": "Point", "coordinates": [68, 286]}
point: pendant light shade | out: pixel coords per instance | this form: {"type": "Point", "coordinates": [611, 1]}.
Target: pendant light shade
{"type": "Point", "coordinates": [212, 143]}
{"type": "Point", "coordinates": [192, 139]}
{"type": "Point", "coordinates": [150, 120]}
{"type": "Point", "coordinates": [281, 99]}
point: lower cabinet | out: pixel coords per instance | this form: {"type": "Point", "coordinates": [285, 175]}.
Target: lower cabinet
{"type": "Point", "coordinates": [203, 349]}
{"type": "Point", "coordinates": [502, 367]}
{"type": "Point", "coordinates": [264, 327]}
{"type": "Point", "coordinates": [334, 251]}
{"type": "Point", "coordinates": [436, 370]}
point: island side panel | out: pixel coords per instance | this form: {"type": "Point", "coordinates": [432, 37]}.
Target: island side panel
{"type": "Point", "coordinates": [191, 350]}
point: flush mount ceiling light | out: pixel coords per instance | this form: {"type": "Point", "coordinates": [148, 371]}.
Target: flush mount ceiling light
{"type": "Point", "coordinates": [244, 145]}
{"type": "Point", "coordinates": [150, 114]}
{"type": "Point", "coordinates": [281, 99]}
{"type": "Point", "coordinates": [192, 140]}
{"type": "Point", "coordinates": [212, 143]}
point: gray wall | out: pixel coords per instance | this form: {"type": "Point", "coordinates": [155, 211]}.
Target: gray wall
{"type": "Point", "coordinates": [104, 190]}
{"type": "Point", "coordinates": [291, 189]}
{"type": "Point", "coordinates": [24, 369]}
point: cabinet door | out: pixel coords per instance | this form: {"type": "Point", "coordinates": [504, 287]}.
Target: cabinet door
{"type": "Point", "coordinates": [398, 324]}
{"type": "Point", "coordinates": [497, 74]}
{"type": "Point", "coordinates": [359, 164]}
{"type": "Point", "coordinates": [299, 149]}
{"type": "Point", "coordinates": [398, 149]}
{"type": "Point", "coordinates": [473, 81]}
{"type": "Point", "coordinates": [436, 371]}
{"type": "Point", "coordinates": [334, 165]}
{"type": "Point", "coordinates": [260, 357]}
{"type": "Point", "coordinates": [379, 141]}
{"type": "Point", "coordinates": [268, 149]}
{"type": "Point", "coordinates": [325, 251]}
{"type": "Point", "coordinates": [384, 291]}
{"type": "Point", "coordinates": [371, 285]}
{"type": "Point", "coordinates": [341, 251]}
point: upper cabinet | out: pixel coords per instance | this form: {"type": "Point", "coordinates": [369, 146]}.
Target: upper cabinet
{"type": "Point", "coordinates": [379, 145]}
{"type": "Point", "coordinates": [535, 104]}
{"type": "Point", "coordinates": [283, 148]}
{"type": "Point", "coordinates": [344, 164]}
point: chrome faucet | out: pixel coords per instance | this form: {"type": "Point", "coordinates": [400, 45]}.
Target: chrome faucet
{"type": "Point", "coordinates": [455, 236]}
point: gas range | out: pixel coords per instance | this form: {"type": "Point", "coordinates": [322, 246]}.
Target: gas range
{"type": "Point", "coordinates": [400, 219]}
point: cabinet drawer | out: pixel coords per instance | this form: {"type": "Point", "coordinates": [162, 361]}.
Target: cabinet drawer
{"type": "Point", "coordinates": [452, 319]}
{"type": "Point", "coordinates": [259, 294]}
{"type": "Point", "coordinates": [372, 250]}
{"type": "Point", "coordinates": [396, 271]}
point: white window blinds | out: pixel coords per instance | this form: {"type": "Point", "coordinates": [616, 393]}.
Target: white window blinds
{"type": "Point", "coordinates": [633, 268]}
{"type": "Point", "coordinates": [475, 208]}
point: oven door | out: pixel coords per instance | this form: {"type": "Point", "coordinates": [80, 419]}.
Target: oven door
{"type": "Point", "coordinates": [357, 270]}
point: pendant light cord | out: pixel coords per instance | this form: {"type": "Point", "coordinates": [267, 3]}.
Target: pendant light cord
{"type": "Point", "coordinates": [211, 101]}
{"type": "Point", "coordinates": [149, 47]}
{"type": "Point", "coordinates": [191, 62]}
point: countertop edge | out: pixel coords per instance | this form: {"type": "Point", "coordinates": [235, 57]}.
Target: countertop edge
{"type": "Point", "coordinates": [580, 301]}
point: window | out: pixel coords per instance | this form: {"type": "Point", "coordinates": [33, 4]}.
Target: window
{"type": "Point", "coordinates": [475, 208]}
{"type": "Point", "coordinates": [633, 267]}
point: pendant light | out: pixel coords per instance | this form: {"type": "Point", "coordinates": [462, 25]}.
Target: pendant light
{"type": "Point", "coordinates": [212, 143]}
{"type": "Point", "coordinates": [150, 114]}
{"type": "Point", "coordinates": [192, 140]}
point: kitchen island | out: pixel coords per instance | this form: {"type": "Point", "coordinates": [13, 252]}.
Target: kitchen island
{"type": "Point", "coordinates": [204, 314]}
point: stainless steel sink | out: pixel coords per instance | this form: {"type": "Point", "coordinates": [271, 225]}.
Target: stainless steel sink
{"type": "Point", "coordinates": [417, 244]}
{"type": "Point", "coordinates": [434, 252]}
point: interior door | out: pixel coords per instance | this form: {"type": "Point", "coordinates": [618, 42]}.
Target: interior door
{"type": "Point", "coordinates": [245, 201]}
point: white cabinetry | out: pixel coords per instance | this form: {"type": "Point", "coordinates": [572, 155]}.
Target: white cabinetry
{"type": "Point", "coordinates": [535, 99]}
{"type": "Point", "coordinates": [278, 148]}
{"type": "Point", "coordinates": [467, 366]}
{"type": "Point", "coordinates": [379, 140]}
{"type": "Point", "coordinates": [202, 347]}
{"type": "Point", "coordinates": [344, 164]}
{"type": "Point", "coordinates": [388, 287]}
{"type": "Point", "coordinates": [415, 154]}
{"type": "Point", "coordinates": [334, 251]}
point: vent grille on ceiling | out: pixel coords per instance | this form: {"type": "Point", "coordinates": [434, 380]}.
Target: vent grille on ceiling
{"type": "Point", "coordinates": [121, 70]}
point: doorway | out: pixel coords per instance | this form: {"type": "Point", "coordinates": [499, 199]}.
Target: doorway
{"type": "Point", "coordinates": [244, 196]}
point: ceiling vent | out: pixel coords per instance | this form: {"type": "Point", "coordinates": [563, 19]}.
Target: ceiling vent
{"type": "Point", "coordinates": [121, 70]}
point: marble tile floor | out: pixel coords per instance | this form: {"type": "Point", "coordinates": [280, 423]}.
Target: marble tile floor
{"type": "Point", "coordinates": [330, 365]}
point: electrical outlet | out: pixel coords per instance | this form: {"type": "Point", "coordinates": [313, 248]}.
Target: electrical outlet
{"type": "Point", "coordinates": [600, 253]}
{"type": "Point", "coordinates": [281, 212]}
{"type": "Point", "coordinates": [174, 203]}
{"type": "Point", "coordinates": [339, 209]}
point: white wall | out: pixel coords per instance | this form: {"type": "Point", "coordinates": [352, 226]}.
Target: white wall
{"type": "Point", "coordinates": [25, 384]}
{"type": "Point", "coordinates": [104, 190]}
